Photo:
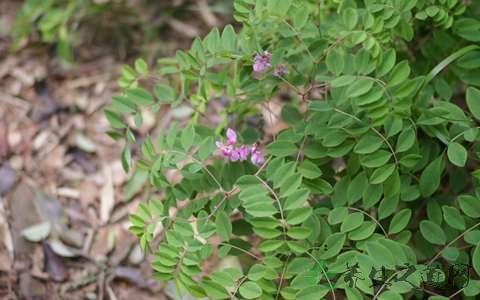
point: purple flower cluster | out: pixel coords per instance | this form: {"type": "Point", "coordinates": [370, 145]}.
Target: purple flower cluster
{"type": "Point", "coordinates": [261, 62]}
{"type": "Point", "coordinates": [230, 151]}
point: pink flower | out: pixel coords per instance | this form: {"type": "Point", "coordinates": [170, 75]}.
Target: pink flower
{"type": "Point", "coordinates": [257, 156]}
{"type": "Point", "coordinates": [240, 153]}
{"type": "Point", "coordinates": [243, 152]}
{"type": "Point", "coordinates": [279, 71]}
{"type": "Point", "coordinates": [261, 62]}
{"type": "Point", "coordinates": [224, 150]}
{"type": "Point", "coordinates": [231, 136]}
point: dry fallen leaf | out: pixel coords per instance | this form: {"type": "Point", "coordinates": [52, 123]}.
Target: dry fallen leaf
{"type": "Point", "coordinates": [53, 264]}
{"type": "Point", "coordinates": [8, 177]}
{"type": "Point", "coordinates": [107, 196]}
{"type": "Point", "coordinates": [37, 232]}
{"type": "Point", "coordinates": [61, 249]}
{"type": "Point", "coordinates": [6, 242]}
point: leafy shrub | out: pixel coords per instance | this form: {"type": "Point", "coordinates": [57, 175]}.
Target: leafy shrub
{"type": "Point", "coordinates": [373, 186]}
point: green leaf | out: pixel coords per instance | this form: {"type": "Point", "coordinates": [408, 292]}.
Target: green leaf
{"type": "Point", "coordinates": [453, 217]}
{"type": "Point", "coordinates": [363, 232]}
{"type": "Point", "coordinates": [290, 185]}
{"type": "Point", "coordinates": [376, 159]}
{"type": "Point", "coordinates": [223, 226]}
{"type": "Point", "coordinates": [114, 119]}
{"type": "Point", "coordinates": [356, 187]}
{"type": "Point", "coordinates": [390, 295]}
{"type": "Point", "coordinates": [476, 259]}
{"type": "Point", "coordinates": [332, 245]}
{"type": "Point", "coordinates": [270, 245]}
{"type": "Point", "coordinates": [298, 215]}
{"type": "Point", "coordinates": [126, 158]}
{"type": "Point", "coordinates": [470, 205]}
{"type": "Point", "coordinates": [214, 290]}
{"type": "Point", "coordinates": [388, 61]}
{"type": "Point", "coordinates": [299, 233]}
{"type": "Point", "coordinates": [187, 137]}
{"type": "Point", "coordinates": [400, 221]}
{"type": "Point", "coordinates": [257, 272]}
{"type": "Point", "coordinates": [430, 178]}
{"type": "Point", "coordinates": [406, 139]}
{"type": "Point", "coordinates": [299, 17]}
{"type": "Point", "coordinates": [343, 80]}
{"type": "Point", "coordinates": [335, 62]}
{"type": "Point", "coordinates": [123, 105]}
{"type": "Point", "coordinates": [410, 160]}
{"type": "Point", "coordinates": [309, 170]}
{"type": "Point", "coordinates": [281, 148]}
{"type": "Point", "coordinates": [381, 174]}
{"type": "Point", "coordinates": [399, 73]}
{"type": "Point", "coordinates": [367, 144]}
{"type": "Point", "coordinates": [279, 8]}
{"type": "Point", "coordinates": [139, 96]}
{"type": "Point", "coordinates": [432, 232]}
{"type": "Point", "coordinates": [350, 18]}
{"type": "Point", "coordinates": [229, 38]}
{"type": "Point", "coordinates": [457, 154]}
{"type": "Point", "coordinates": [393, 125]}
{"type": "Point", "coordinates": [359, 87]}
{"type": "Point", "coordinates": [164, 93]}
{"type": "Point", "coordinates": [381, 254]}
{"type": "Point", "coordinates": [337, 215]}
{"type": "Point", "coordinates": [388, 205]}
{"type": "Point", "coordinates": [306, 279]}
{"type": "Point", "coordinates": [315, 292]}
{"type": "Point", "coordinates": [141, 66]}
{"type": "Point", "coordinates": [296, 199]}
{"type": "Point", "coordinates": [351, 222]}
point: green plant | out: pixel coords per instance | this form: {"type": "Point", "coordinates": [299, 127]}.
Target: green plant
{"type": "Point", "coordinates": [372, 189]}
{"type": "Point", "coordinates": [54, 20]}
{"type": "Point", "coordinates": [69, 24]}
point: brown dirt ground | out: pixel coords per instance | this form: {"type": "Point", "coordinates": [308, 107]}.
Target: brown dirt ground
{"type": "Point", "coordinates": [57, 165]}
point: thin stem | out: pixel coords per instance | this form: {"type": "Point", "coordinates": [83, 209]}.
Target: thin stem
{"type": "Point", "coordinates": [381, 83]}
{"type": "Point", "coordinates": [203, 167]}
{"type": "Point", "coordinates": [237, 287]}
{"type": "Point", "coordinates": [278, 203]}
{"type": "Point", "coordinates": [456, 293]}
{"type": "Point", "coordinates": [385, 284]}
{"type": "Point", "coordinates": [452, 242]}
{"type": "Point", "coordinates": [302, 145]}
{"type": "Point", "coordinates": [462, 133]}
{"type": "Point", "coordinates": [324, 273]}
{"type": "Point", "coordinates": [371, 217]}
{"type": "Point", "coordinates": [282, 276]}
{"type": "Point", "coordinates": [242, 250]}
{"type": "Point", "coordinates": [374, 130]}
{"type": "Point", "coordinates": [386, 142]}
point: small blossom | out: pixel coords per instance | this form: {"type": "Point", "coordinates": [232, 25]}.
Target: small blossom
{"type": "Point", "coordinates": [257, 156]}
{"type": "Point", "coordinates": [243, 152]}
{"type": "Point", "coordinates": [231, 137]}
{"type": "Point", "coordinates": [234, 156]}
{"type": "Point", "coordinates": [261, 62]}
{"type": "Point", "coordinates": [224, 150]}
{"type": "Point", "coordinates": [280, 71]}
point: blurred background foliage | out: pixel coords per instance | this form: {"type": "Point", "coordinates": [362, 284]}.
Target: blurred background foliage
{"type": "Point", "coordinates": [119, 27]}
